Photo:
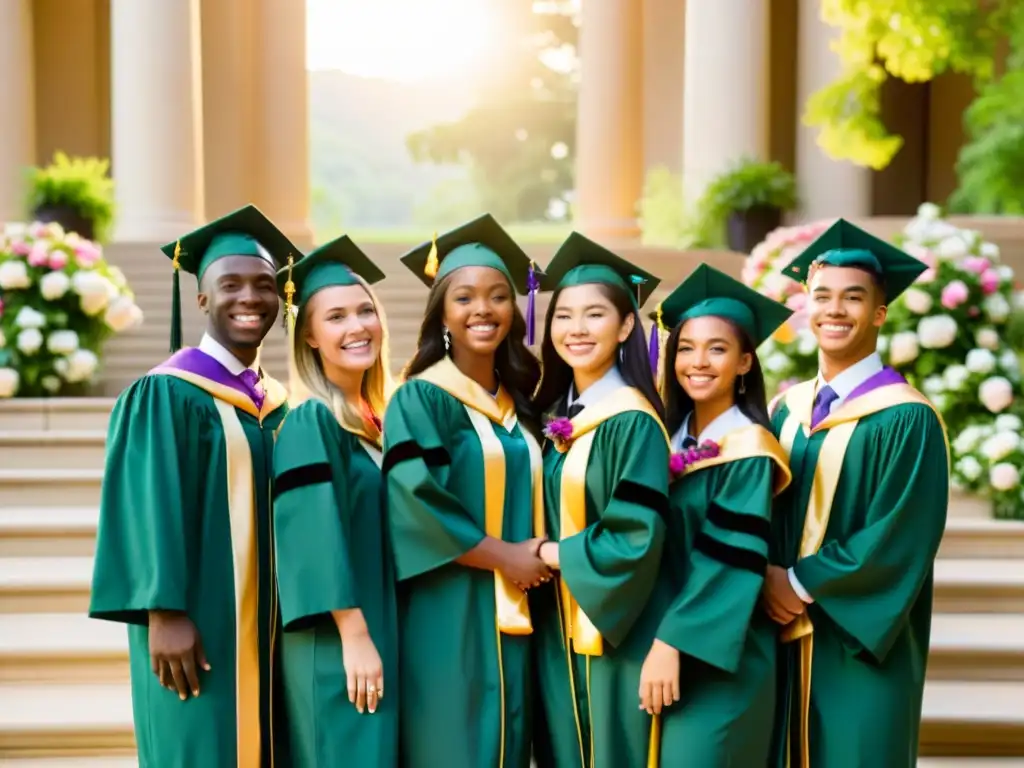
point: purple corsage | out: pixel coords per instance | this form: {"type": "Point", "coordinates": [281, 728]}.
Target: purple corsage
{"type": "Point", "coordinates": [559, 431]}
{"type": "Point", "coordinates": [678, 462]}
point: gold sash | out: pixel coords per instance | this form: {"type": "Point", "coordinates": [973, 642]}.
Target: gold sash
{"type": "Point", "coordinates": [840, 424]}
{"type": "Point", "coordinates": [275, 395]}
{"type": "Point", "coordinates": [747, 443]}
{"type": "Point", "coordinates": [573, 500]}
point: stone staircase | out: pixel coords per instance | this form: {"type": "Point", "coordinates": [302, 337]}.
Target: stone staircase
{"type": "Point", "coordinates": [64, 695]}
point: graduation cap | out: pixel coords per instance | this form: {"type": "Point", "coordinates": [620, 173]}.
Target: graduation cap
{"type": "Point", "coordinates": [479, 243]}
{"type": "Point", "coordinates": [845, 245]}
{"type": "Point", "coordinates": [581, 261]}
{"type": "Point", "coordinates": [334, 263]}
{"type": "Point", "coordinates": [244, 232]}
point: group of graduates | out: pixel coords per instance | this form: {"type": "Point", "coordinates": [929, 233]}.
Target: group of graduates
{"type": "Point", "coordinates": [568, 560]}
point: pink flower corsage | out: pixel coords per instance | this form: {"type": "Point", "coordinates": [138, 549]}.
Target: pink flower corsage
{"type": "Point", "coordinates": [678, 462]}
{"type": "Point", "coordinates": [559, 431]}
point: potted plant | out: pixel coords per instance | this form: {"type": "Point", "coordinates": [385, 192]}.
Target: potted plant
{"type": "Point", "coordinates": [76, 193]}
{"type": "Point", "coordinates": [749, 200]}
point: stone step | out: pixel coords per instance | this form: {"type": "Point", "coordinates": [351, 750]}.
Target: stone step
{"type": "Point", "coordinates": [59, 413]}
{"type": "Point", "coordinates": [61, 647]}
{"type": "Point", "coordinates": [78, 449]}
{"type": "Point", "coordinates": [977, 646]}
{"type": "Point", "coordinates": [45, 584]}
{"type": "Point", "coordinates": [53, 720]}
{"type": "Point", "coordinates": [979, 586]}
{"type": "Point", "coordinates": [100, 761]}
{"type": "Point", "coordinates": [50, 487]}
{"type": "Point", "coordinates": [980, 538]}
{"type": "Point", "coordinates": [968, 719]}
{"type": "Point", "coordinates": [48, 531]}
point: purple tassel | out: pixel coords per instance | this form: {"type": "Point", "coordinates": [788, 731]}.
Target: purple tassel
{"type": "Point", "coordinates": [532, 285]}
{"type": "Point", "coordinates": [654, 349]}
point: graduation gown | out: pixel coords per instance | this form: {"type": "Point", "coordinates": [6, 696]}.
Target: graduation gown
{"type": "Point", "coordinates": [185, 526]}
{"type": "Point", "coordinates": [458, 465]}
{"type": "Point", "coordinates": [605, 497]}
{"type": "Point", "coordinates": [716, 553]}
{"type": "Point", "coordinates": [861, 525]}
{"type": "Point", "coordinates": [332, 553]}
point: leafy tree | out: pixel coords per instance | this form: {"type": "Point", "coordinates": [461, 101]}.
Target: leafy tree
{"type": "Point", "coordinates": [519, 139]}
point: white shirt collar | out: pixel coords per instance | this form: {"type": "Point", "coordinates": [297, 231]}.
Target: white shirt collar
{"type": "Point", "coordinates": [722, 425]}
{"type": "Point", "coordinates": [611, 381]}
{"type": "Point", "coordinates": [844, 383]}
{"type": "Point", "coordinates": [218, 352]}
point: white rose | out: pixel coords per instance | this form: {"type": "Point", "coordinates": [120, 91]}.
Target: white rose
{"type": "Point", "coordinates": [941, 401]}
{"type": "Point", "coordinates": [980, 361]}
{"type": "Point", "coordinates": [60, 365]}
{"type": "Point", "coordinates": [776, 362]}
{"type": "Point", "coordinates": [1000, 445]}
{"type": "Point", "coordinates": [955, 377]}
{"type": "Point", "coordinates": [937, 331]}
{"type": "Point", "coordinates": [51, 384]}
{"type": "Point", "coordinates": [29, 341]}
{"type": "Point", "coordinates": [969, 467]}
{"type": "Point", "coordinates": [122, 314]}
{"type": "Point", "coordinates": [903, 348]}
{"type": "Point", "coordinates": [918, 301]}
{"type": "Point", "coordinates": [1004, 477]}
{"type": "Point", "coordinates": [934, 385]}
{"type": "Point", "coordinates": [1007, 422]}
{"type": "Point", "coordinates": [987, 338]}
{"type": "Point", "coordinates": [94, 290]}
{"type": "Point", "coordinates": [1005, 272]}
{"type": "Point", "coordinates": [29, 318]}
{"type": "Point", "coordinates": [990, 251]}
{"type": "Point", "coordinates": [929, 211]}
{"type": "Point", "coordinates": [9, 380]}
{"type": "Point", "coordinates": [1018, 300]}
{"type": "Point", "coordinates": [3, 339]}
{"type": "Point", "coordinates": [995, 393]}
{"type": "Point", "coordinates": [62, 342]}
{"type": "Point", "coordinates": [996, 307]}
{"type": "Point", "coordinates": [883, 345]}
{"type": "Point", "coordinates": [1009, 362]}
{"type": "Point", "coordinates": [14, 275]}
{"type": "Point", "coordinates": [968, 439]}
{"type": "Point", "coordinates": [806, 343]}
{"type": "Point", "coordinates": [81, 365]}
{"type": "Point", "coordinates": [14, 229]}
{"type": "Point", "coordinates": [952, 247]}
{"type": "Point", "coordinates": [54, 285]}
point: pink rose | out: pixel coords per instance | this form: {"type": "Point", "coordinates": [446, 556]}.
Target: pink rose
{"type": "Point", "coordinates": [928, 276]}
{"type": "Point", "coordinates": [797, 301]}
{"type": "Point", "coordinates": [21, 248]}
{"type": "Point", "coordinates": [975, 264]}
{"type": "Point", "coordinates": [87, 253]}
{"type": "Point", "coordinates": [954, 294]}
{"type": "Point", "coordinates": [38, 256]}
{"type": "Point", "coordinates": [38, 229]}
{"type": "Point", "coordinates": [989, 281]}
{"type": "Point", "coordinates": [1, 307]}
{"type": "Point", "coordinates": [921, 253]}
{"type": "Point", "coordinates": [58, 259]}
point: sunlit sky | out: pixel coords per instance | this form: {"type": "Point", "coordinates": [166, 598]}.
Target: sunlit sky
{"type": "Point", "coordinates": [406, 40]}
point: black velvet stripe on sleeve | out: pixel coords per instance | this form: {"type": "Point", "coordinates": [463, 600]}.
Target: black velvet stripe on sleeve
{"type": "Point", "coordinates": [635, 493]}
{"type": "Point", "coordinates": [734, 557]}
{"type": "Point", "coordinates": [300, 477]}
{"type": "Point", "coordinates": [728, 520]}
{"type": "Point", "coordinates": [409, 450]}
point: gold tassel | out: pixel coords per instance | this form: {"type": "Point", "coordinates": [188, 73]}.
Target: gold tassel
{"type": "Point", "coordinates": [430, 270]}
{"type": "Point", "coordinates": [294, 383]}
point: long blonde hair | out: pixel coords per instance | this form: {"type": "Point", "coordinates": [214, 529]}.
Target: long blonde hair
{"type": "Point", "coordinates": [312, 382]}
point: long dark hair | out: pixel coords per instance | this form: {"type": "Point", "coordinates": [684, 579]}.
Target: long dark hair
{"type": "Point", "coordinates": [753, 402]}
{"type": "Point", "coordinates": [635, 366]}
{"type": "Point", "coordinates": [518, 370]}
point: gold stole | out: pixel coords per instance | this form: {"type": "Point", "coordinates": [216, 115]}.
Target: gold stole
{"type": "Point", "coordinates": [512, 611]}
{"type": "Point", "coordinates": [840, 424]}
{"type": "Point", "coordinates": [242, 522]}
{"type": "Point", "coordinates": [586, 639]}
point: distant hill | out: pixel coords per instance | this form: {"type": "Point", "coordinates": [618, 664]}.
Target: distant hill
{"type": "Point", "coordinates": [362, 174]}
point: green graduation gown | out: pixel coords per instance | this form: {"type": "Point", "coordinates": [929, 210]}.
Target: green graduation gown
{"type": "Point", "coordinates": [185, 526]}
{"type": "Point", "coordinates": [716, 553]}
{"type": "Point", "coordinates": [332, 553]}
{"type": "Point", "coordinates": [867, 560]}
{"type": "Point", "coordinates": [588, 713]}
{"type": "Point", "coordinates": [456, 465]}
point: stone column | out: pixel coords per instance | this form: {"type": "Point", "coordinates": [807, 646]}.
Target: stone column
{"type": "Point", "coordinates": [664, 64]}
{"type": "Point", "coordinates": [17, 95]}
{"type": "Point", "coordinates": [725, 96]}
{"type": "Point", "coordinates": [282, 189]}
{"type": "Point", "coordinates": [609, 131]}
{"type": "Point", "coordinates": [156, 129]}
{"type": "Point", "coordinates": [827, 188]}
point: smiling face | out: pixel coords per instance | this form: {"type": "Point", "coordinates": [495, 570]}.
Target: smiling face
{"type": "Point", "coordinates": [344, 327]}
{"type": "Point", "coordinates": [586, 329]}
{"type": "Point", "coordinates": [239, 293]}
{"type": "Point", "coordinates": [478, 310]}
{"type": "Point", "coordinates": [846, 312]}
{"type": "Point", "coordinates": [709, 357]}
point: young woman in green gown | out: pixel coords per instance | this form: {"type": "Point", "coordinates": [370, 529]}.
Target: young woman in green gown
{"type": "Point", "coordinates": [463, 477]}
{"type": "Point", "coordinates": [710, 671]}
{"type": "Point", "coordinates": [605, 489]}
{"type": "Point", "coordinates": [334, 567]}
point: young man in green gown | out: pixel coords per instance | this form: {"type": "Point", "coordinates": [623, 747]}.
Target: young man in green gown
{"type": "Point", "coordinates": [856, 534]}
{"type": "Point", "coordinates": [183, 555]}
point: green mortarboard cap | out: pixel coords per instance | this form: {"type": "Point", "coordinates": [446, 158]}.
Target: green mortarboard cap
{"type": "Point", "coordinates": [244, 232]}
{"type": "Point", "coordinates": [845, 245]}
{"type": "Point", "coordinates": [708, 291]}
{"type": "Point", "coordinates": [581, 261]}
{"type": "Point", "coordinates": [334, 263]}
{"type": "Point", "coordinates": [478, 243]}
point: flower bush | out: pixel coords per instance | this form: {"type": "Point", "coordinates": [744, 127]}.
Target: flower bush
{"type": "Point", "coordinates": [59, 301]}
{"type": "Point", "coordinates": [950, 334]}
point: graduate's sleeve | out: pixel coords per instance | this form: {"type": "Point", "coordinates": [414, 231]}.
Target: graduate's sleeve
{"type": "Point", "coordinates": [867, 583]}
{"type": "Point", "coordinates": [141, 561]}
{"type": "Point", "coordinates": [312, 522]}
{"type": "Point", "coordinates": [709, 618]}
{"type": "Point", "coordinates": [611, 565]}
{"type": "Point", "coordinates": [429, 526]}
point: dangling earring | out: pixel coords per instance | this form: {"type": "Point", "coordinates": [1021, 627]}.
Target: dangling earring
{"type": "Point", "coordinates": [447, 336]}
{"type": "Point", "coordinates": [743, 385]}
{"type": "Point", "coordinates": [622, 354]}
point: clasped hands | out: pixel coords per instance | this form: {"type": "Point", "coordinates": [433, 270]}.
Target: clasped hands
{"type": "Point", "coordinates": [780, 600]}
{"type": "Point", "coordinates": [529, 563]}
